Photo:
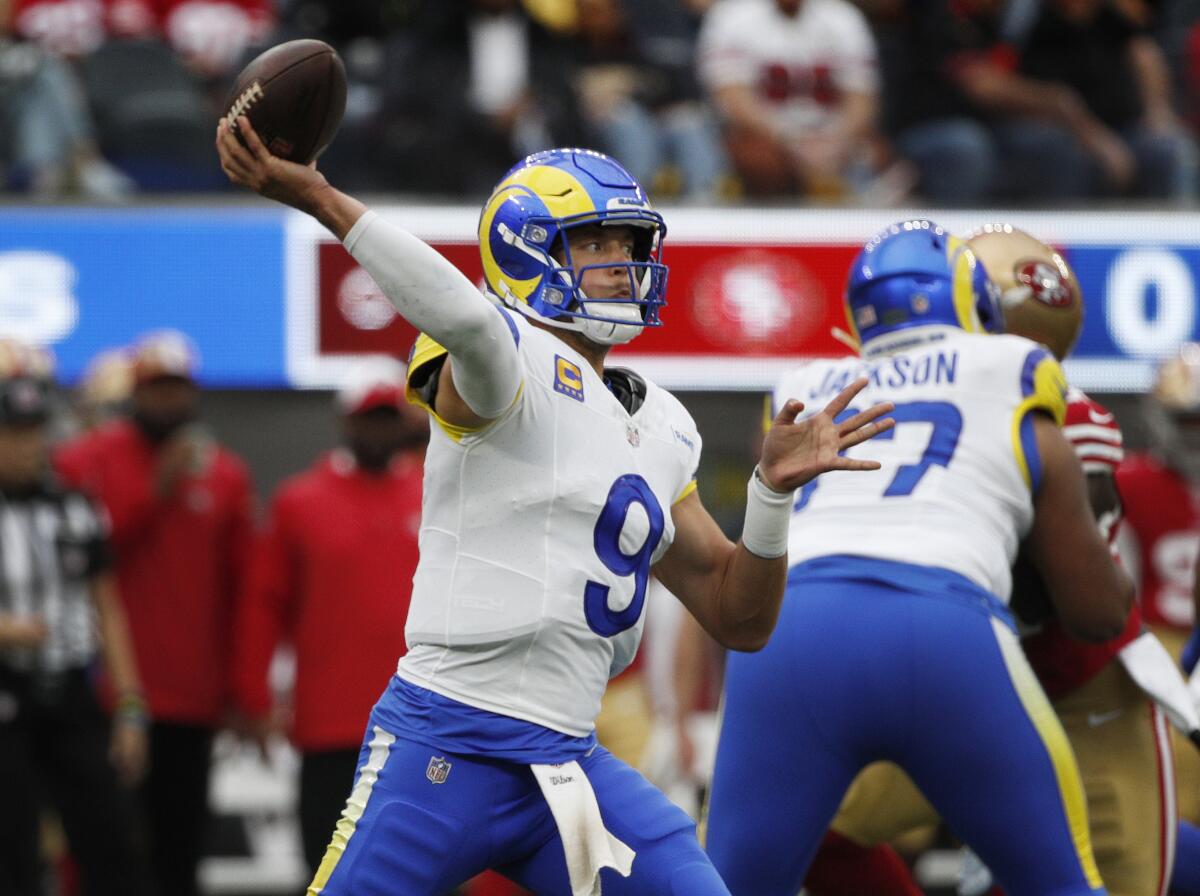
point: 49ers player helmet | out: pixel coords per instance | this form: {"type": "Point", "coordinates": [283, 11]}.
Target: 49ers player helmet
{"type": "Point", "coordinates": [1038, 290]}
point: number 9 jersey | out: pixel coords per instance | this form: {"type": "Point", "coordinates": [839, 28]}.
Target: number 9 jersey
{"type": "Point", "coordinates": [538, 533]}
{"type": "Point", "coordinates": [959, 469]}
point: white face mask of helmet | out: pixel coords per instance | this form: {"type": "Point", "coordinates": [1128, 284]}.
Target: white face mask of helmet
{"type": "Point", "coordinates": [614, 321]}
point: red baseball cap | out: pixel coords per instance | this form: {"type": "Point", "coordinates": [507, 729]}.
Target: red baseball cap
{"type": "Point", "coordinates": [375, 382]}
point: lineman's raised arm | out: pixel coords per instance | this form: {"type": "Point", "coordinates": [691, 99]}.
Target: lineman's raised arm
{"type": "Point", "coordinates": [427, 290]}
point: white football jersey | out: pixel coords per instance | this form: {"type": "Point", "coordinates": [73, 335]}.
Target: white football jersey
{"type": "Point", "coordinates": [959, 469]}
{"type": "Point", "coordinates": [537, 537]}
{"type": "Point", "coordinates": [799, 66]}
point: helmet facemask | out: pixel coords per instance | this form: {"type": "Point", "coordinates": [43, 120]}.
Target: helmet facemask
{"type": "Point", "coordinates": [562, 302]}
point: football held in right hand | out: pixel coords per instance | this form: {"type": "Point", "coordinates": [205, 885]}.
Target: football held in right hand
{"type": "Point", "coordinates": [254, 167]}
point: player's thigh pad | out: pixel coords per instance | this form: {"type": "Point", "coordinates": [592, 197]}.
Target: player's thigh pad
{"type": "Point", "coordinates": [417, 822]}
{"type": "Point", "coordinates": [992, 757]}
{"type": "Point", "coordinates": [1123, 749]}
{"type": "Point", "coordinates": [792, 736]}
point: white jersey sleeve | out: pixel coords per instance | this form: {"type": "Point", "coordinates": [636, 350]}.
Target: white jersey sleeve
{"type": "Point", "coordinates": [537, 537]}
{"type": "Point", "coordinates": [959, 469]}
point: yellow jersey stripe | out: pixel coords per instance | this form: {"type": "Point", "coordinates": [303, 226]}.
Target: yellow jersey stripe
{"type": "Point", "coordinates": [1040, 712]}
{"type": "Point", "coordinates": [1045, 388]}
{"type": "Point", "coordinates": [426, 351]}
{"type": "Point", "coordinates": [687, 490]}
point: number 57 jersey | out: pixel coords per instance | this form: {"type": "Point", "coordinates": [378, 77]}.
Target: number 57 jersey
{"type": "Point", "coordinates": [538, 533]}
{"type": "Point", "coordinates": [958, 470]}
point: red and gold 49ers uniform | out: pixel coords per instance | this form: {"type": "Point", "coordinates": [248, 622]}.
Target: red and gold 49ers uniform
{"type": "Point", "coordinates": [1162, 530]}
{"type": "Point", "coordinates": [1159, 539]}
{"type": "Point", "coordinates": [1118, 734]}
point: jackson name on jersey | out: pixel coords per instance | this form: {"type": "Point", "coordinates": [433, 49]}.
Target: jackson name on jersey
{"type": "Point", "coordinates": [958, 471]}
{"type": "Point", "coordinates": [538, 533]}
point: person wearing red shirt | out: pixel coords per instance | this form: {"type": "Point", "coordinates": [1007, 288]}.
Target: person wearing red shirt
{"type": "Point", "coordinates": [332, 574]}
{"type": "Point", "coordinates": [1161, 489]}
{"type": "Point", "coordinates": [1160, 541]}
{"type": "Point", "coordinates": [1160, 537]}
{"type": "Point", "coordinates": [181, 508]}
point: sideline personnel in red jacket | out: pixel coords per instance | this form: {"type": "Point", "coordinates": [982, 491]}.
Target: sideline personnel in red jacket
{"type": "Point", "coordinates": [332, 574]}
{"type": "Point", "coordinates": [181, 509]}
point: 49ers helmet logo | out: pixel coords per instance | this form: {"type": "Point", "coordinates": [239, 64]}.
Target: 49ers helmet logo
{"type": "Point", "coordinates": [1045, 282]}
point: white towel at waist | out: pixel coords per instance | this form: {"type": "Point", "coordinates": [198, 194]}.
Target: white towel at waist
{"type": "Point", "coordinates": [587, 843]}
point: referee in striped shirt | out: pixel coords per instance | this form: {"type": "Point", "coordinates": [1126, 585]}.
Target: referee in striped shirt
{"type": "Point", "coordinates": [60, 622]}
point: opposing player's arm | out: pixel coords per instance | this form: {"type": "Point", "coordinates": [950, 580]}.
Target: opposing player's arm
{"type": "Point", "coordinates": [1102, 493]}
{"type": "Point", "coordinates": [734, 590]}
{"type": "Point", "coordinates": [1091, 593]}
{"type": "Point", "coordinates": [484, 375]}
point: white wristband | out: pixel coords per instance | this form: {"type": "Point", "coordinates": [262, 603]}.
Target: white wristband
{"type": "Point", "coordinates": [768, 515]}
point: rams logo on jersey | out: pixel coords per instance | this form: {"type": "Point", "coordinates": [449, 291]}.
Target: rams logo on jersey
{"type": "Point", "coordinates": [568, 378]}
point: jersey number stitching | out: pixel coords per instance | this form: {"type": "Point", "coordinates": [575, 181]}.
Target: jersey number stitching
{"type": "Point", "coordinates": [943, 440]}
{"type": "Point", "coordinates": [626, 491]}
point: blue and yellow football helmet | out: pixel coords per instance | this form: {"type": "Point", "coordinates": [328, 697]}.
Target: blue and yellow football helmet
{"type": "Point", "coordinates": [915, 274]}
{"type": "Point", "coordinates": [525, 221]}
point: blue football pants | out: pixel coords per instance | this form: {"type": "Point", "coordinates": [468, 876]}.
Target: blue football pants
{"type": "Point", "coordinates": [858, 671]}
{"type": "Point", "coordinates": [402, 835]}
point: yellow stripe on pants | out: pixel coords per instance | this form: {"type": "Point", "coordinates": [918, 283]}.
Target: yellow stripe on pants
{"type": "Point", "coordinates": [356, 805]}
{"type": "Point", "coordinates": [1037, 707]}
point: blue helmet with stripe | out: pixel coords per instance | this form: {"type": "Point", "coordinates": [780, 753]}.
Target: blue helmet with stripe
{"type": "Point", "coordinates": [916, 274]}
{"type": "Point", "coordinates": [526, 221]}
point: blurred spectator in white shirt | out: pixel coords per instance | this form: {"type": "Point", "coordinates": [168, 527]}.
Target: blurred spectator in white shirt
{"type": "Point", "coordinates": [796, 84]}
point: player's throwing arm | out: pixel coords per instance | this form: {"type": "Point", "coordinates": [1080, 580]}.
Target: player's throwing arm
{"type": "Point", "coordinates": [427, 290]}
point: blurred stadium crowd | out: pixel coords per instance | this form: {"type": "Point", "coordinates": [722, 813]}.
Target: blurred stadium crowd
{"type": "Point", "coordinates": [860, 101]}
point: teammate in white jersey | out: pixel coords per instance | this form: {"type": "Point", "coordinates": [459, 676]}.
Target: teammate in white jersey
{"type": "Point", "coordinates": [553, 486]}
{"type": "Point", "coordinates": [895, 641]}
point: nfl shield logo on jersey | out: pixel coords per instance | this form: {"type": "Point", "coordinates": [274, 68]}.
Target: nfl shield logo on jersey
{"type": "Point", "coordinates": [438, 770]}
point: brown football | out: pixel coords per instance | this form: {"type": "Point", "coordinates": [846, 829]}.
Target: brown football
{"type": "Point", "coordinates": [294, 95]}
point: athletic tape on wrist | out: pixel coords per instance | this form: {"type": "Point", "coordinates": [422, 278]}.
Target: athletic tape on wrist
{"type": "Point", "coordinates": [768, 514]}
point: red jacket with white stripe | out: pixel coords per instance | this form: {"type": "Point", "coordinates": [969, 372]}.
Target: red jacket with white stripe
{"type": "Point", "coordinates": [332, 575]}
{"type": "Point", "coordinates": [1063, 663]}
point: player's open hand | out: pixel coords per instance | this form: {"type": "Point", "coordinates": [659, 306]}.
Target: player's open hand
{"type": "Point", "coordinates": [253, 166]}
{"type": "Point", "coordinates": [794, 453]}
